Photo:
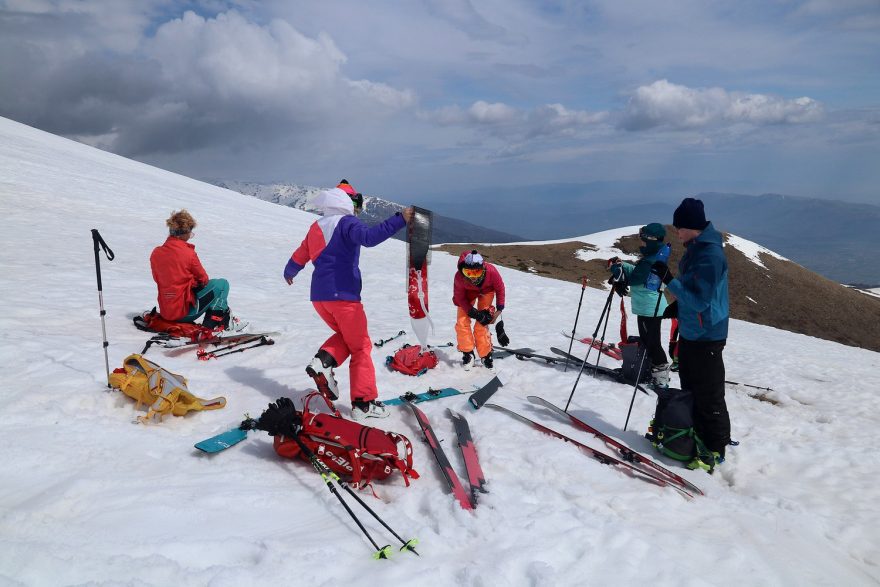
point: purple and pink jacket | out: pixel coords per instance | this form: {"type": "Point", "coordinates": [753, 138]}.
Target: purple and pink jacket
{"type": "Point", "coordinates": [333, 245]}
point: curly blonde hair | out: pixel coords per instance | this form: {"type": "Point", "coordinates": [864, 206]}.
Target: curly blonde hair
{"type": "Point", "coordinates": [180, 223]}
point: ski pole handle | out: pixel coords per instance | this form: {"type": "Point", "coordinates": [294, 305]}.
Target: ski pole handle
{"type": "Point", "coordinates": [98, 241]}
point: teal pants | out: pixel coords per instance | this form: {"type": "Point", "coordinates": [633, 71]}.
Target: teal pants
{"type": "Point", "coordinates": [210, 297]}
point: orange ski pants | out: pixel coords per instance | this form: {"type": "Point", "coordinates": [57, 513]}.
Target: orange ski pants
{"type": "Point", "coordinates": [480, 337]}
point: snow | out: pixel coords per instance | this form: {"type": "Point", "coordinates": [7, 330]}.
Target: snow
{"type": "Point", "coordinates": [87, 497]}
{"type": "Point", "coordinates": [752, 251]}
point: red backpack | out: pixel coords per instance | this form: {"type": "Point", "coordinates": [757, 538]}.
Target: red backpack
{"type": "Point", "coordinates": [358, 454]}
{"type": "Point", "coordinates": [410, 360]}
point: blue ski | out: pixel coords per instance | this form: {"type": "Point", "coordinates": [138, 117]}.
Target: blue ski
{"type": "Point", "coordinates": [222, 441]}
{"type": "Point", "coordinates": [422, 397]}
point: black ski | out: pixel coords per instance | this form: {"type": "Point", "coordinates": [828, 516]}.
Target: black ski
{"type": "Point", "coordinates": [603, 458]}
{"type": "Point", "coordinates": [482, 395]}
{"type": "Point", "coordinates": [476, 478]}
{"type": "Point", "coordinates": [448, 472]}
{"type": "Point", "coordinates": [627, 454]}
{"type": "Point", "coordinates": [597, 370]}
{"type": "Point", "coordinates": [524, 354]}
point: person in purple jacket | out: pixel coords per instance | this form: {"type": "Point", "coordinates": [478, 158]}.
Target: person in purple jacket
{"type": "Point", "coordinates": [333, 245]}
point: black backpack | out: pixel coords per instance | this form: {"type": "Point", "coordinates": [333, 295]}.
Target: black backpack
{"type": "Point", "coordinates": [632, 354]}
{"type": "Point", "coordinates": [671, 431]}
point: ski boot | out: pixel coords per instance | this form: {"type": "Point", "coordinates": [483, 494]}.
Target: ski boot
{"type": "Point", "coordinates": [488, 362]}
{"type": "Point", "coordinates": [361, 410]}
{"type": "Point", "coordinates": [467, 360]}
{"type": "Point", "coordinates": [660, 376]}
{"type": "Point", "coordinates": [321, 370]}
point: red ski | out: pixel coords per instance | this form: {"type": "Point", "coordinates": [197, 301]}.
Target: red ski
{"type": "Point", "coordinates": [418, 241]}
{"type": "Point", "coordinates": [606, 348]}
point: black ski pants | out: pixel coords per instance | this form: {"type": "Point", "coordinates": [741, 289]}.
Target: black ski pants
{"type": "Point", "coordinates": [649, 332]}
{"type": "Point", "coordinates": [701, 371]}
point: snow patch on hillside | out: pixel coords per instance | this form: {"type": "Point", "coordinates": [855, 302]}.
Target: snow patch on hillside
{"type": "Point", "coordinates": [751, 250]}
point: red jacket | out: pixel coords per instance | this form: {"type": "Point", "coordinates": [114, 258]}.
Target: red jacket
{"type": "Point", "coordinates": [176, 271]}
{"type": "Point", "coordinates": [464, 292]}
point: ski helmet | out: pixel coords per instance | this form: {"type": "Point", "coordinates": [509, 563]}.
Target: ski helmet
{"type": "Point", "coordinates": [356, 197]}
{"type": "Point", "coordinates": [472, 267]}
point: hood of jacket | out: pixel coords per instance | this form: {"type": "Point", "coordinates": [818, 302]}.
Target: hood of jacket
{"type": "Point", "coordinates": [334, 202]}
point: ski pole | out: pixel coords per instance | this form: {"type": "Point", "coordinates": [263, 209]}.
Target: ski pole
{"type": "Point", "coordinates": [98, 241]}
{"type": "Point", "coordinates": [590, 347]}
{"type": "Point", "coordinates": [576, 316]}
{"type": "Point", "coordinates": [747, 385]}
{"type": "Point", "coordinates": [263, 341]}
{"type": "Point", "coordinates": [636, 386]}
{"type": "Point", "coordinates": [205, 355]}
{"type": "Point", "coordinates": [382, 342]}
{"type": "Point", "coordinates": [329, 476]}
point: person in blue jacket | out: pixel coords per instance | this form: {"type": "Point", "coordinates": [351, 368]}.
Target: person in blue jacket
{"type": "Point", "coordinates": [649, 315]}
{"type": "Point", "coordinates": [333, 245]}
{"type": "Point", "coordinates": [701, 292]}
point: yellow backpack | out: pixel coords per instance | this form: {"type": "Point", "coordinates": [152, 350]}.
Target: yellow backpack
{"type": "Point", "coordinates": [160, 390]}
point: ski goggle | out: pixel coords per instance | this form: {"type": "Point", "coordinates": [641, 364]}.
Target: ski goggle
{"type": "Point", "coordinates": [473, 273]}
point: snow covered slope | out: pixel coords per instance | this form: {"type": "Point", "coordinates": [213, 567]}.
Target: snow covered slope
{"type": "Point", "coordinates": [88, 497]}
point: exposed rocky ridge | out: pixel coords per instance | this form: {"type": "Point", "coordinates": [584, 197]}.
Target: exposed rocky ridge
{"type": "Point", "coordinates": [782, 294]}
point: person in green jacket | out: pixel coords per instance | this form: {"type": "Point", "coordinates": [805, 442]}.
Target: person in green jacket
{"type": "Point", "coordinates": [644, 301]}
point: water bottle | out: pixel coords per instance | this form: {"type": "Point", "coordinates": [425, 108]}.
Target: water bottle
{"type": "Point", "coordinates": [653, 282]}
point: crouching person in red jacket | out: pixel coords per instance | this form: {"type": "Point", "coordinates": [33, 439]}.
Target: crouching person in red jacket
{"type": "Point", "coordinates": [477, 281]}
{"type": "Point", "coordinates": [185, 291]}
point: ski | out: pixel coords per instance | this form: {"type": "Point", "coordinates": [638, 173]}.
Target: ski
{"type": "Point", "coordinates": [418, 248]}
{"type": "Point", "coordinates": [627, 454]}
{"type": "Point", "coordinates": [597, 369]}
{"type": "Point", "coordinates": [476, 478]}
{"type": "Point", "coordinates": [607, 348]}
{"type": "Point", "coordinates": [603, 458]}
{"type": "Point", "coordinates": [451, 477]}
{"type": "Point", "coordinates": [523, 354]}
{"type": "Point", "coordinates": [224, 440]}
{"type": "Point", "coordinates": [382, 342]}
{"type": "Point", "coordinates": [238, 348]}
{"type": "Point", "coordinates": [177, 342]}
{"type": "Point", "coordinates": [482, 395]}
{"type": "Point", "coordinates": [418, 398]}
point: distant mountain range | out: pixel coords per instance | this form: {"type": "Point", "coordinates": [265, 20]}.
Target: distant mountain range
{"type": "Point", "coordinates": [446, 229]}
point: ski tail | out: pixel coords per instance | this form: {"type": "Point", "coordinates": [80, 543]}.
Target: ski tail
{"type": "Point", "coordinates": [600, 456]}
{"type": "Point", "coordinates": [482, 395]}
{"type": "Point", "coordinates": [445, 467]}
{"type": "Point", "coordinates": [476, 478]}
{"type": "Point", "coordinates": [627, 454]}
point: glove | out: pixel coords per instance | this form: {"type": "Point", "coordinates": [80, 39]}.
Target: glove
{"type": "Point", "coordinates": [484, 317]}
{"type": "Point", "coordinates": [502, 336]}
{"type": "Point", "coordinates": [499, 308]}
{"type": "Point", "coordinates": [620, 287]}
{"type": "Point", "coordinates": [290, 271]}
{"type": "Point", "coordinates": [612, 262]}
{"type": "Point", "coordinates": [661, 270]}
{"type": "Point", "coordinates": [671, 310]}
{"type": "Point", "coordinates": [617, 272]}
{"type": "Point", "coordinates": [280, 418]}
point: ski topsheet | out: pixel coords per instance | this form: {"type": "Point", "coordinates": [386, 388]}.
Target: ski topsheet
{"type": "Point", "coordinates": [482, 395]}
{"type": "Point", "coordinates": [528, 354]}
{"type": "Point", "coordinates": [418, 246]}
{"type": "Point", "coordinates": [476, 478]}
{"type": "Point", "coordinates": [607, 348]}
{"type": "Point", "coordinates": [418, 398]}
{"type": "Point", "coordinates": [451, 477]}
{"type": "Point", "coordinates": [603, 458]}
{"type": "Point", "coordinates": [627, 454]}
{"type": "Point", "coordinates": [222, 441]}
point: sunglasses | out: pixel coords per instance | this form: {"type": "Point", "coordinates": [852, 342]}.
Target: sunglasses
{"type": "Point", "coordinates": [474, 273]}
{"type": "Point", "coordinates": [648, 237]}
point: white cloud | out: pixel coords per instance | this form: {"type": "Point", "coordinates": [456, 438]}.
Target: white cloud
{"type": "Point", "coordinates": [664, 104]}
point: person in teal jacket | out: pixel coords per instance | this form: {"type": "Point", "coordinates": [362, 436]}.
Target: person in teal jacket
{"type": "Point", "coordinates": [643, 301]}
{"type": "Point", "coordinates": [701, 294]}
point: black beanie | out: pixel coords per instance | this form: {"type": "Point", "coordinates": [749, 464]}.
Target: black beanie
{"type": "Point", "coordinates": [690, 214]}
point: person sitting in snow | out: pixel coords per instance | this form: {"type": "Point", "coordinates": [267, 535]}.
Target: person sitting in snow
{"type": "Point", "coordinates": [185, 292]}
{"type": "Point", "coordinates": [649, 315]}
{"type": "Point", "coordinates": [333, 245]}
{"type": "Point", "coordinates": [477, 281]}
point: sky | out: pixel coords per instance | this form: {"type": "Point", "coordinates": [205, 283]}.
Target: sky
{"type": "Point", "coordinates": [435, 96]}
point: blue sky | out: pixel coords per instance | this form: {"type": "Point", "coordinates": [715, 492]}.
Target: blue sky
{"type": "Point", "coordinates": [438, 95]}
